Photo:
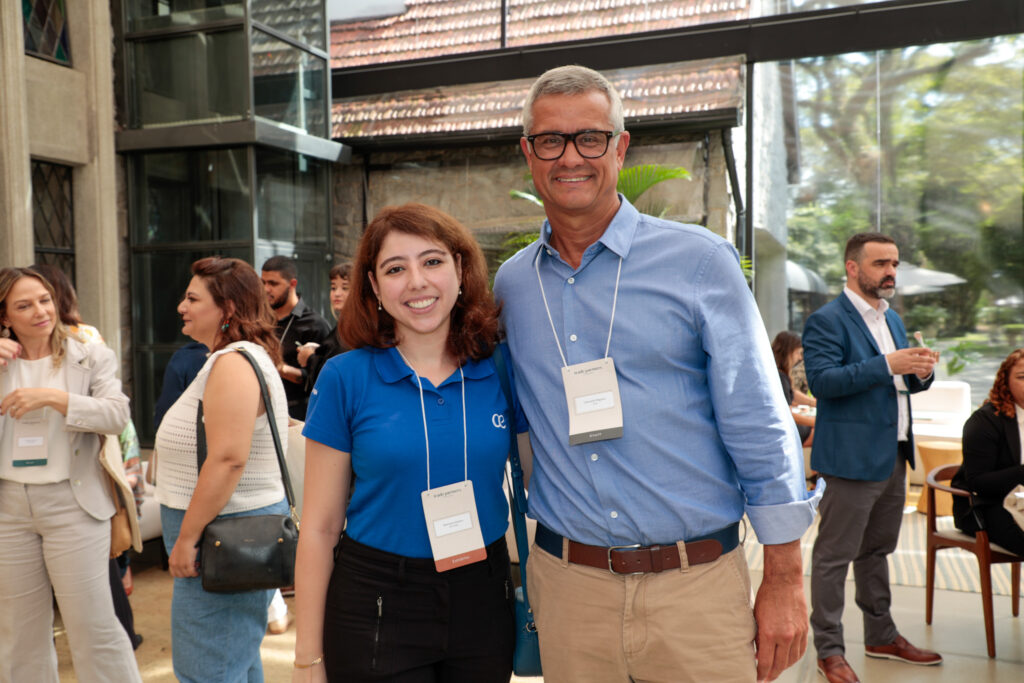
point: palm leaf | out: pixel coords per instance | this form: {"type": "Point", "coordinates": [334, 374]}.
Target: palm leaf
{"type": "Point", "coordinates": [518, 194]}
{"type": "Point", "coordinates": [636, 180]}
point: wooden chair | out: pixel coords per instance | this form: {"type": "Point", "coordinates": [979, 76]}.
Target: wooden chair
{"type": "Point", "coordinates": [987, 553]}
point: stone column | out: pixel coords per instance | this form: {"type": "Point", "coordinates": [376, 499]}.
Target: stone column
{"type": "Point", "coordinates": [16, 241]}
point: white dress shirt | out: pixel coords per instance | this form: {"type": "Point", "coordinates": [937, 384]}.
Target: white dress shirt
{"type": "Point", "coordinates": [874, 318]}
{"type": "Point", "coordinates": [1020, 430]}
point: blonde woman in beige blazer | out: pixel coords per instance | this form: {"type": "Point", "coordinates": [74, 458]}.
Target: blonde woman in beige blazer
{"type": "Point", "coordinates": [57, 396]}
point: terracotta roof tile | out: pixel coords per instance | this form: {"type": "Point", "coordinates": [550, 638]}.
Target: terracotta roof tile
{"type": "Point", "coordinates": [430, 28]}
{"type": "Point", "coordinates": [648, 92]}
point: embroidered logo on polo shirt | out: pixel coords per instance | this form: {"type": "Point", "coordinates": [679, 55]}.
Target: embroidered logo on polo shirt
{"type": "Point", "coordinates": [498, 420]}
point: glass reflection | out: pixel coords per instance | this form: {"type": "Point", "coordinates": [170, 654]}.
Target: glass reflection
{"type": "Point", "coordinates": [291, 197]}
{"type": "Point", "coordinates": [145, 15]}
{"type": "Point", "coordinates": [191, 195]}
{"type": "Point", "coordinates": [303, 20]}
{"type": "Point", "coordinates": [289, 85]}
{"type": "Point", "coordinates": [194, 78]}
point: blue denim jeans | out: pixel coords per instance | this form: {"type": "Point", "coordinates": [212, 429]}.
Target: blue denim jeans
{"type": "Point", "coordinates": [215, 637]}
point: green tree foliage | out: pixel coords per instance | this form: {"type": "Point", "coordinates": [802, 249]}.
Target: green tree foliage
{"type": "Point", "coordinates": [924, 144]}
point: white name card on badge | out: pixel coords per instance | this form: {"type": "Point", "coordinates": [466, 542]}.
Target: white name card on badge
{"type": "Point", "coordinates": [592, 396]}
{"type": "Point", "coordinates": [30, 440]}
{"type": "Point", "coordinates": [453, 526]}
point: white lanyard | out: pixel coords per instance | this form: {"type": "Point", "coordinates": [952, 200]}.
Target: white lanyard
{"type": "Point", "coordinates": [615, 299]}
{"type": "Point", "coordinates": [423, 410]}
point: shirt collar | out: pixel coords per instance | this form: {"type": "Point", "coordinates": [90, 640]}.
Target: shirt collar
{"type": "Point", "coordinates": [863, 307]}
{"type": "Point", "coordinates": [618, 236]}
{"type": "Point", "coordinates": [392, 368]}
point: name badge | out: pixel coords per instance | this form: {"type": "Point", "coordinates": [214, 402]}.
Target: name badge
{"type": "Point", "coordinates": [453, 526]}
{"type": "Point", "coordinates": [30, 440]}
{"type": "Point", "coordinates": [592, 395]}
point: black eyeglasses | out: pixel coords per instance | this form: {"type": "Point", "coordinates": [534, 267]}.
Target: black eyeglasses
{"type": "Point", "coordinates": [591, 144]}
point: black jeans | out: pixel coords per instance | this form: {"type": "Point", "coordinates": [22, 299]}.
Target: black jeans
{"type": "Point", "coordinates": [392, 618]}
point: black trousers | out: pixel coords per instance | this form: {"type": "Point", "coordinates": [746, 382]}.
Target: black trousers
{"type": "Point", "coordinates": [397, 619]}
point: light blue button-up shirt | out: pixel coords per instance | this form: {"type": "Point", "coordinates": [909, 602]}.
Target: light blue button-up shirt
{"type": "Point", "coordinates": [707, 434]}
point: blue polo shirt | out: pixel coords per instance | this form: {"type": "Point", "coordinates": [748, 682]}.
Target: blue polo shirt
{"type": "Point", "coordinates": [367, 403]}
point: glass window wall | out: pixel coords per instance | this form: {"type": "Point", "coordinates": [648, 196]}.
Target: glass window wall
{"type": "Point", "coordinates": [289, 85]}
{"type": "Point", "coordinates": [291, 197]}
{"type": "Point", "coordinates": [145, 15]}
{"type": "Point", "coordinates": [923, 144]}
{"type": "Point", "coordinates": [195, 78]}
{"type": "Point", "coordinates": [303, 20]}
{"type": "Point", "coordinates": [186, 196]}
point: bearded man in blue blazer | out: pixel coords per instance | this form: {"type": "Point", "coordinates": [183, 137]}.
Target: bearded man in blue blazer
{"type": "Point", "coordinates": [862, 373]}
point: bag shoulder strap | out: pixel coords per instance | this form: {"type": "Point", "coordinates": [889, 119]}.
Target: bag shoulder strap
{"type": "Point", "coordinates": [268, 405]}
{"type": "Point", "coordinates": [518, 490]}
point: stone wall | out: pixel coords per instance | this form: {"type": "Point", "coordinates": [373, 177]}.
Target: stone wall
{"type": "Point", "coordinates": [473, 184]}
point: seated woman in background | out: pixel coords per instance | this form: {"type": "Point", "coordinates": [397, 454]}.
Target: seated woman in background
{"type": "Point", "coordinates": [992, 458]}
{"type": "Point", "coordinates": [312, 356]}
{"type": "Point", "coordinates": [788, 350]}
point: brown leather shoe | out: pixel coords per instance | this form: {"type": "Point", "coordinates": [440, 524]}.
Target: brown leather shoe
{"type": "Point", "coordinates": [836, 669]}
{"type": "Point", "coordinates": [903, 651]}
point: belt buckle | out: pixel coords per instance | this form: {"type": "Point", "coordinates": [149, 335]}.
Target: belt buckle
{"type": "Point", "coordinates": [612, 549]}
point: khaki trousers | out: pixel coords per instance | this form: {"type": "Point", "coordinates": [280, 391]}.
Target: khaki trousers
{"type": "Point", "coordinates": [676, 626]}
{"type": "Point", "coordinates": [50, 546]}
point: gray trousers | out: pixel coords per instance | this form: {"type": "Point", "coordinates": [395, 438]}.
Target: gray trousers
{"type": "Point", "coordinates": [860, 523]}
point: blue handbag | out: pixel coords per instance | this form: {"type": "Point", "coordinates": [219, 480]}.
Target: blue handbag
{"type": "Point", "coordinates": [526, 660]}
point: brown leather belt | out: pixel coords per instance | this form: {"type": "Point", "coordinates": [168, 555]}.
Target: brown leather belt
{"type": "Point", "coordinates": [640, 559]}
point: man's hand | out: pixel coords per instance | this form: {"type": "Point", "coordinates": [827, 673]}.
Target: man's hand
{"type": "Point", "coordinates": [305, 351]}
{"type": "Point", "coordinates": [916, 361]}
{"type": "Point", "coordinates": [290, 373]}
{"type": "Point", "coordinates": [780, 611]}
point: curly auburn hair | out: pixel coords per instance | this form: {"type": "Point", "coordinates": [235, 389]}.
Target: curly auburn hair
{"type": "Point", "coordinates": [473, 331]}
{"type": "Point", "coordinates": [236, 288]}
{"type": "Point", "coordinates": [999, 395]}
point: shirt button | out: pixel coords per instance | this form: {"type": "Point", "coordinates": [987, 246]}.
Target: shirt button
{"type": "Point", "coordinates": [440, 401]}
{"type": "Point", "coordinates": [593, 456]}
{"type": "Point", "coordinates": [571, 280]}
{"type": "Point", "coordinates": [78, 482]}
{"type": "Point", "coordinates": [614, 515]}
{"type": "Point", "coordinates": [549, 252]}
{"type": "Point", "coordinates": [572, 337]}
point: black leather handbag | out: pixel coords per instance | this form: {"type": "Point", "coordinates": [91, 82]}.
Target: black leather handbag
{"type": "Point", "coordinates": [255, 552]}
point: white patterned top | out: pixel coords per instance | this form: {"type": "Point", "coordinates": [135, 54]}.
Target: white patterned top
{"type": "Point", "coordinates": [260, 484]}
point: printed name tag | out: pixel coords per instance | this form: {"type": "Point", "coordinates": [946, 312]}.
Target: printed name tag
{"type": "Point", "coordinates": [592, 398]}
{"type": "Point", "coordinates": [30, 440]}
{"type": "Point", "coordinates": [601, 401]}
{"type": "Point", "coordinates": [453, 526]}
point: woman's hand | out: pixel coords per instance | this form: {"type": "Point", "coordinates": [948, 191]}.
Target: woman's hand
{"type": "Point", "coordinates": [9, 350]}
{"type": "Point", "coordinates": [25, 400]}
{"type": "Point", "coordinates": [182, 561]}
{"type": "Point", "coordinates": [314, 674]}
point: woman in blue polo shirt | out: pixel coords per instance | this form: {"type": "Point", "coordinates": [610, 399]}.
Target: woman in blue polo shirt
{"type": "Point", "coordinates": [413, 425]}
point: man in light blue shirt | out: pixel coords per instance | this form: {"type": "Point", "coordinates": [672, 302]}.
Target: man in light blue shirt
{"type": "Point", "coordinates": [636, 572]}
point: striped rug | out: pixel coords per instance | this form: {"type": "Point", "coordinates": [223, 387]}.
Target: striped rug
{"type": "Point", "coordinates": [955, 569]}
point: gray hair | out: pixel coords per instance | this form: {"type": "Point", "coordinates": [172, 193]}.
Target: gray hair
{"type": "Point", "coordinates": [573, 80]}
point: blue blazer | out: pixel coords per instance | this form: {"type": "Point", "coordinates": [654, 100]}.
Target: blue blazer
{"type": "Point", "coordinates": [855, 430]}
